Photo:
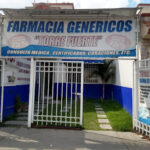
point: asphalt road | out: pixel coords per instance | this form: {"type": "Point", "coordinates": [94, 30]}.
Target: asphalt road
{"type": "Point", "coordinates": [50, 139]}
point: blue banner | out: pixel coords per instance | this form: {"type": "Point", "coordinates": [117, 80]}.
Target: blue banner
{"type": "Point", "coordinates": [47, 51]}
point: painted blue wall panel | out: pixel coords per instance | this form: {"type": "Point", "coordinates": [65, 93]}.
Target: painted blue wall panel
{"type": "Point", "coordinates": [123, 95]}
{"type": "Point", "coordinates": [92, 91]}
{"type": "Point", "coordinates": [108, 92]}
{"type": "Point", "coordinates": [10, 92]}
{"type": "Point", "coordinates": [95, 91]}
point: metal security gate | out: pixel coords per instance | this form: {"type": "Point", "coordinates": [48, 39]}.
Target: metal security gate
{"type": "Point", "coordinates": [142, 105]}
{"type": "Point", "coordinates": [56, 93]}
{"type": "Point", "coordinates": [2, 66]}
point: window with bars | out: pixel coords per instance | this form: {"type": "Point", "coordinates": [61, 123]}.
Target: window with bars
{"type": "Point", "coordinates": [74, 72]}
{"type": "Point", "coordinates": [89, 76]}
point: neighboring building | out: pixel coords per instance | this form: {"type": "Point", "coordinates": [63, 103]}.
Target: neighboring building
{"type": "Point", "coordinates": [145, 30]}
{"type": "Point", "coordinates": [45, 6]}
{"type": "Point", "coordinates": [143, 66]}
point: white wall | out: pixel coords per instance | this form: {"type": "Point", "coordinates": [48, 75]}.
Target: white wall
{"type": "Point", "coordinates": [124, 73]}
{"type": "Point", "coordinates": [58, 75]}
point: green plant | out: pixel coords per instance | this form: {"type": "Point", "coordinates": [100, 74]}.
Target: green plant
{"type": "Point", "coordinates": [23, 106]}
{"type": "Point", "coordinates": [119, 118]}
{"type": "Point", "coordinates": [17, 104]}
{"type": "Point", "coordinates": [89, 115]}
{"type": "Point", "coordinates": [106, 71]}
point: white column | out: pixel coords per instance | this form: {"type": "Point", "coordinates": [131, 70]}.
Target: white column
{"type": "Point", "coordinates": [31, 93]}
{"type": "Point", "coordinates": [2, 90]}
{"type": "Point", "coordinates": [81, 99]}
{"type": "Point", "coordinates": [135, 94]}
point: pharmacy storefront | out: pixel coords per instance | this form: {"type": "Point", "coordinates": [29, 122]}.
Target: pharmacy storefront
{"type": "Point", "coordinates": [82, 39]}
{"type": "Point", "coordinates": [63, 48]}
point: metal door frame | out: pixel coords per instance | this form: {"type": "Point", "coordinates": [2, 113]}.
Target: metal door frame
{"type": "Point", "coordinates": [32, 88]}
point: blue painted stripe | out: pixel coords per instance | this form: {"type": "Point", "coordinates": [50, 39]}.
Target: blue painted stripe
{"type": "Point", "coordinates": [123, 95]}
{"type": "Point", "coordinates": [146, 121]}
{"type": "Point", "coordinates": [10, 93]}
{"type": "Point", "coordinates": [48, 51]}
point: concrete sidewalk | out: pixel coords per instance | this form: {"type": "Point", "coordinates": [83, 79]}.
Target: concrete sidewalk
{"type": "Point", "coordinates": [50, 139]}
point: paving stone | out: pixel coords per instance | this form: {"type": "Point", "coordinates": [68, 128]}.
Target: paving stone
{"type": "Point", "coordinates": [106, 126]}
{"type": "Point", "coordinates": [103, 121]}
{"type": "Point", "coordinates": [99, 108]}
{"type": "Point", "coordinates": [101, 116]}
{"type": "Point", "coordinates": [97, 105]}
{"type": "Point", "coordinates": [17, 123]}
{"type": "Point", "coordinates": [100, 112]}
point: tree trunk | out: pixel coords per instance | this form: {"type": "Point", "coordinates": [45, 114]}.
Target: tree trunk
{"type": "Point", "coordinates": [103, 90]}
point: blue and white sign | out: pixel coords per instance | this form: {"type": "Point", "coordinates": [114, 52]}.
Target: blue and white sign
{"type": "Point", "coordinates": [144, 103]}
{"type": "Point", "coordinates": [69, 39]}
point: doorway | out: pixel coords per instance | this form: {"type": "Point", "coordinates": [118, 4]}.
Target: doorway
{"type": "Point", "coordinates": [56, 93]}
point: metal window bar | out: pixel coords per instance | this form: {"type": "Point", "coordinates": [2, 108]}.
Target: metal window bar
{"type": "Point", "coordinates": [48, 93]}
{"type": "Point", "coordinates": [43, 92]}
{"type": "Point", "coordinates": [53, 65]}
{"type": "Point", "coordinates": [76, 91]}
{"type": "Point", "coordinates": [71, 94]}
{"type": "Point", "coordinates": [66, 93]}
{"type": "Point", "coordinates": [81, 94]}
{"type": "Point", "coordinates": [62, 85]}
{"type": "Point", "coordinates": [57, 75]}
{"type": "Point", "coordinates": [39, 91]}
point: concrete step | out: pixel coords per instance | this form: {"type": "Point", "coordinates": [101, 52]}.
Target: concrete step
{"type": "Point", "coordinates": [49, 102]}
{"type": "Point", "coordinates": [101, 116]}
{"type": "Point", "coordinates": [100, 112]}
{"type": "Point", "coordinates": [15, 123]}
{"type": "Point", "coordinates": [97, 105]}
{"type": "Point", "coordinates": [98, 108]}
{"type": "Point", "coordinates": [22, 118]}
{"type": "Point", "coordinates": [26, 111]}
{"type": "Point", "coordinates": [22, 114]}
